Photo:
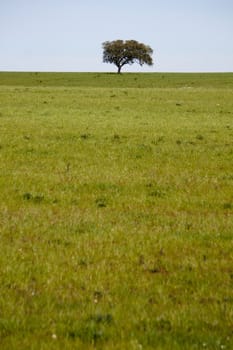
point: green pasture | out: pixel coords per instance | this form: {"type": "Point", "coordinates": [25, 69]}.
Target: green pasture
{"type": "Point", "coordinates": [116, 211]}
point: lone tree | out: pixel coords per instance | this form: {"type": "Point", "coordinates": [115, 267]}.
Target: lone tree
{"type": "Point", "coordinates": [121, 52]}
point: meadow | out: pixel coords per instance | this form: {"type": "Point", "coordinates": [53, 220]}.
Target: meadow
{"type": "Point", "coordinates": [116, 203]}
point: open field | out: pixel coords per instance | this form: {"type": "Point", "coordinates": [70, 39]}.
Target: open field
{"type": "Point", "coordinates": [116, 211]}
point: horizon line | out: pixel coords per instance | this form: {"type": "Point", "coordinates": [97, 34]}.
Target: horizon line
{"type": "Point", "coordinates": [122, 73]}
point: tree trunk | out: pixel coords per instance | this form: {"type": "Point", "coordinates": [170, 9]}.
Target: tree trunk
{"type": "Point", "coordinates": [119, 70]}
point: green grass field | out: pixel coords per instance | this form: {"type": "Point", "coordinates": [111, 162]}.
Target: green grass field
{"type": "Point", "coordinates": [116, 211]}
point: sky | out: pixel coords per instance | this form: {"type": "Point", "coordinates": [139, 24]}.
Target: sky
{"type": "Point", "coordinates": [67, 35]}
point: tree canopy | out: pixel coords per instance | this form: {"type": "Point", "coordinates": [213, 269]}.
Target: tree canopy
{"type": "Point", "coordinates": [120, 53]}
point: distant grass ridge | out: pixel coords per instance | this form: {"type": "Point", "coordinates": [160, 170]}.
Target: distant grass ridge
{"type": "Point", "coordinates": [125, 80]}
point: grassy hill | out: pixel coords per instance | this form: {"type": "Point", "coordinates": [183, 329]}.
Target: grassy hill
{"type": "Point", "coordinates": [116, 203]}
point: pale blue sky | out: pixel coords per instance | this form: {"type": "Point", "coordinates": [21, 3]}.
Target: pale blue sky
{"type": "Point", "coordinates": [66, 35]}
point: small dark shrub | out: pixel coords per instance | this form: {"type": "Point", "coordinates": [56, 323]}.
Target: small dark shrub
{"type": "Point", "coordinates": [85, 136]}
{"type": "Point", "coordinates": [101, 202]}
{"type": "Point", "coordinates": [36, 199]}
{"type": "Point", "coordinates": [27, 196]}
{"type": "Point", "coordinates": [228, 205]}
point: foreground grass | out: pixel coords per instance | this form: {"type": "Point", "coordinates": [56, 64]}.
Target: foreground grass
{"type": "Point", "coordinates": [116, 203]}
